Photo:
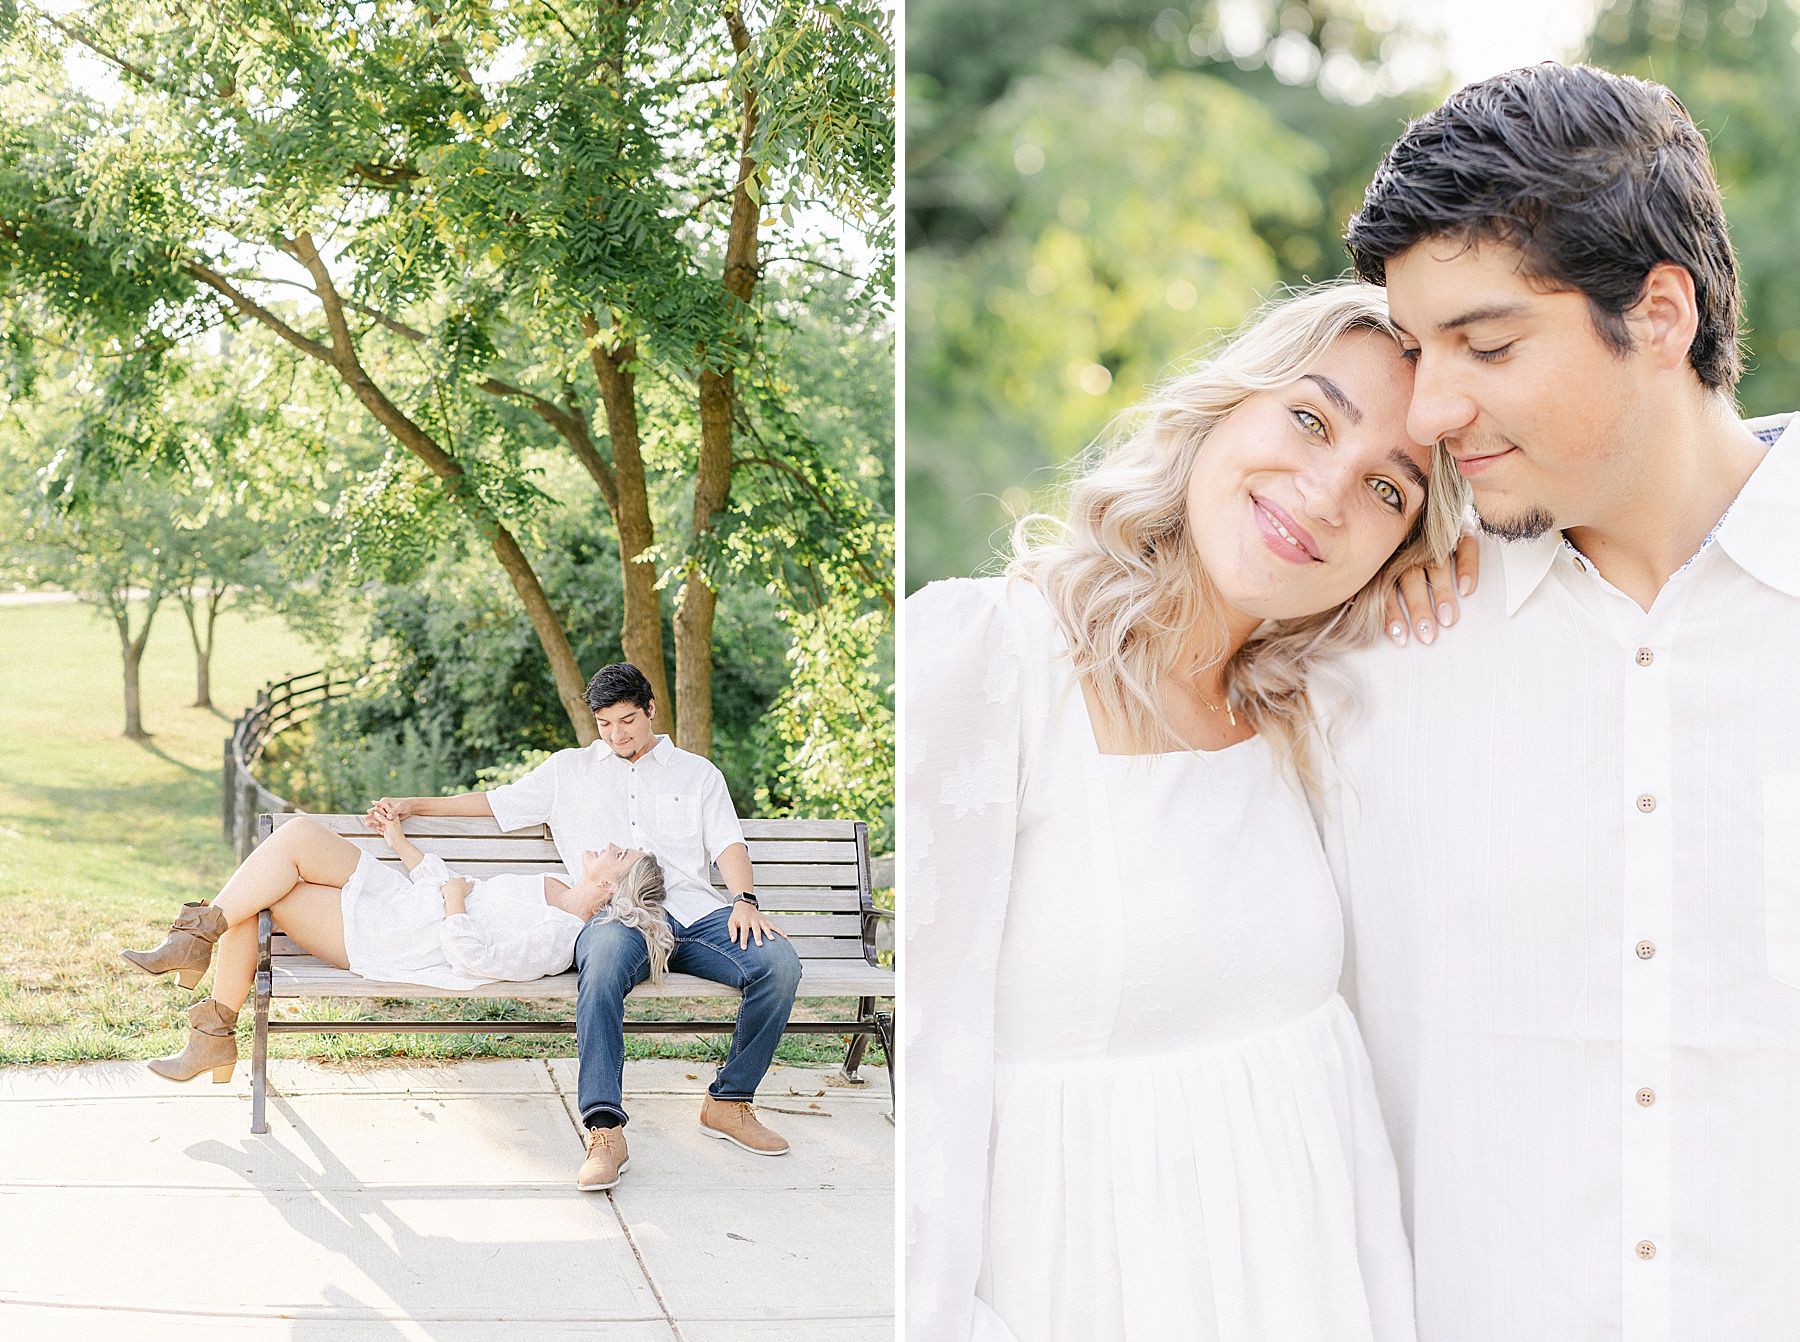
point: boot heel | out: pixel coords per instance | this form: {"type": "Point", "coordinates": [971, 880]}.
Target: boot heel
{"type": "Point", "coordinates": [190, 978]}
{"type": "Point", "coordinates": [223, 1074]}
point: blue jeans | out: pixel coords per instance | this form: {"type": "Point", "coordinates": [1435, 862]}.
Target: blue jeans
{"type": "Point", "coordinates": [611, 959]}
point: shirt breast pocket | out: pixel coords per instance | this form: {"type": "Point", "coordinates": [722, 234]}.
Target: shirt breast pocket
{"type": "Point", "coordinates": [1781, 876]}
{"type": "Point", "coordinates": [678, 814]}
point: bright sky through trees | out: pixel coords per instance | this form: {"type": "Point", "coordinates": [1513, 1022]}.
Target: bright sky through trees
{"type": "Point", "coordinates": [1482, 38]}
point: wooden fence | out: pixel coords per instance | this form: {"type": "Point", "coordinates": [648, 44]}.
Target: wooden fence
{"type": "Point", "coordinates": [279, 705]}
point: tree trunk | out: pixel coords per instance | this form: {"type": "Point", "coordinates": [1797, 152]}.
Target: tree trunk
{"type": "Point", "coordinates": [131, 652]}
{"type": "Point", "coordinates": [571, 685]}
{"type": "Point", "coordinates": [203, 647]}
{"type": "Point", "coordinates": [712, 483]}
{"type": "Point", "coordinates": [643, 637]}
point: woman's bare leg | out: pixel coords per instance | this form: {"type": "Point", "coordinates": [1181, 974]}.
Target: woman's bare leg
{"type": "Point", "coordinates": [300, 852]}
{"type": "Point", "coordinates": [312, 915]}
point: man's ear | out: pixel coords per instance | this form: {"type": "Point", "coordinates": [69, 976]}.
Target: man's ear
{"type": "Point", "coordinates": [1668, 314]}
{"type": "Point", "coordinates": [650, 709]}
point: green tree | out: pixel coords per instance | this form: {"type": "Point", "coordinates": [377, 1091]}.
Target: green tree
{"type": "Point", "coordinates": [1735, 66]}
{"type": "Point", "coordinates": [489, 211]}
{"type": "Point", "coordinates": [113, 552]}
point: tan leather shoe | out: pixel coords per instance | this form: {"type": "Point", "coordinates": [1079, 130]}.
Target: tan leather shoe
{"type": "Point", "coordinates": [607, 1159]}
{"type": "Point", "coordinates": [735, 1121]}
{"type": "Point", "coordinates": [188, 949]}
{"type": "Point", "coordinates": [211, 1045]}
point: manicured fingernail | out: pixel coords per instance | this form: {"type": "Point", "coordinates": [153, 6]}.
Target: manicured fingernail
{"type": "Point", "coordinates": [1426, 634]}
{"type": "Point", "coordinates": [1465, 583]}
{"type": "Point", "coordinates": [1446, 615]}
{"type": "Point", "coordinates": [1397, 632]}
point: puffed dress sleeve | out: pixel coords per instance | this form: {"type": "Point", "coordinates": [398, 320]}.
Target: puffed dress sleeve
{"type": "Point", "coordinates": [518, 955]}
{"type": "Point", "coordinates": [431, 871]}
{"type": "Point", "coordinates": [967, 682]}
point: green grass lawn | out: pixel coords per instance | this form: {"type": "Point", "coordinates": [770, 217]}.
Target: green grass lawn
{"type": "Point", "coordinates": [102, 838]}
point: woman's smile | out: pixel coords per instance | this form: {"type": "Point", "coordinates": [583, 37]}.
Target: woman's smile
{"type": "Point", "coordinates": [1285, 536]}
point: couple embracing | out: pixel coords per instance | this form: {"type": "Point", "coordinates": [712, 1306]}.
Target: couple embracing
{"type": "Point", "coordinates": [1271, 980]}
{"type": "Point", "coordinates": [637, 821]}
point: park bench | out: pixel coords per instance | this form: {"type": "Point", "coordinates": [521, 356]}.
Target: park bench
{"type": "Point", "coordinates": [812, 880]}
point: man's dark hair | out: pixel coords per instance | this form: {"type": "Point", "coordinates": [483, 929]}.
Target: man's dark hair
{"type": "Point", "coordinates": [1593, 177]}
{"type": "Point", "coordinates": [620, 683]}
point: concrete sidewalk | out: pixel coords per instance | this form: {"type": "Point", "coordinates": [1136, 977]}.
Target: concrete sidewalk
{"type": "Point", "coordinates": [436, 1203]}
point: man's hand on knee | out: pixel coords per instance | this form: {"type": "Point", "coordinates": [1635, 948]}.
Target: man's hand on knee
{"type": "Point", "coordinates": [749, 921]}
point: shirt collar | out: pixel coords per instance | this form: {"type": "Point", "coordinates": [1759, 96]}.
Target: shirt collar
{"type": "Point", "coordinates": [1525, 563]}
{"type": "Point", "coordinates": [1759, 532]}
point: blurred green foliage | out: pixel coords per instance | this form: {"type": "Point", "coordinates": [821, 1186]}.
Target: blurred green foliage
{"type": "Point", "coordinates": [1095, 191]}
{"type": "Point", "coordinates": [1735, 66]}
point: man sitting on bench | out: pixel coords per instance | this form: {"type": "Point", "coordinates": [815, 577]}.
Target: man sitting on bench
{"type": "Point", "coordinates": [640, 790]}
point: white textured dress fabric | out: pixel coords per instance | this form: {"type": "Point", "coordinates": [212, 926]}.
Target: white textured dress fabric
{"type": "Point", "coordinates": [1137, 1107]}
{"type": "Point", "coordinates": [395, 930]}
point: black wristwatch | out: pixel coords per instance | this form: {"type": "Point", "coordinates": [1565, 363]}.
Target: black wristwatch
{"type": "Point", "coordinates": [751, 900]}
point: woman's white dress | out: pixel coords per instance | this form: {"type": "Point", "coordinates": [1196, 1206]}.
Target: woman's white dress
{"type": "Point", "coordinates": [395, 930]}
{"type": "Point", "coordinates": [1137, 1106]}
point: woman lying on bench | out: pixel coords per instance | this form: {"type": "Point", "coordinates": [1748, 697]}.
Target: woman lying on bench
{"type": "Point", "coordinates": [423, 926]}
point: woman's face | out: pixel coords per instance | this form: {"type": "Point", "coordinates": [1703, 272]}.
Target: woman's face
{"type": "Point", "coordinates": [1301, 494]}
{"type": "Point", "coordinates": [612, 862]}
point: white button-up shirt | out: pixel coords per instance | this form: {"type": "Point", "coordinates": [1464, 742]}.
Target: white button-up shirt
{"type": "Point", "coordinates": [667, 802]}
{"type": "Point", "coordinates": [1568, 841]}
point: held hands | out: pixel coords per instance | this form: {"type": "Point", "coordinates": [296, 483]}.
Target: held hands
{"type": "Point", "coordinates": [1423, 600]}
{"type": "Point", "coordinates": [380, 817]}
{"type": "Point", "coordinates": [749, 921]}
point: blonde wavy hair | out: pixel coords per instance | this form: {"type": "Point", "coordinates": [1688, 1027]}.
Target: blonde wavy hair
{"type": "Point", "coordinates": [1121, 573]}
{"type": "Point", "coordinates": [638, 901]}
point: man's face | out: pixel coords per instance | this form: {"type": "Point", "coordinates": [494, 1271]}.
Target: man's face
{"type": "Point", "coordinates": [626, 728]}
{"type": "Point", "coordinates": [1538, 410]}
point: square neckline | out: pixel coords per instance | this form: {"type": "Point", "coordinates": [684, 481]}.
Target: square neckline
{"type": "Point", "coordinates": [1092, 737]}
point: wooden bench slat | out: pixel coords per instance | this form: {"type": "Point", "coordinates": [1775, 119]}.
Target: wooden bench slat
{"type": "Point", "coordinates": [808, 926]}
{"type": "Point", "coordinates": [800, 850]}
{"type": "Point", "coordinates": [513, 849]}
{"type": "Point", "coordinates": [772, 877]}
{"type": "Point", "coordinates": [484, 827]}
{"type": "Point", "coordinates": [801, 904]}
{"type": "Point", "coordinates": [467, 848]}
{"type": "Point", "coordinates": [799, 899]}
{"type": "Point", "coordinates": [827, 948]}
{"type": "Point", "coordinates": [474, 826]}
{"type": "Point", "coordinates": [306, 976]}
{"type": "Point", "coordinates": [812, 873]}
{"type": "Point", "coordinates": [799, 829]}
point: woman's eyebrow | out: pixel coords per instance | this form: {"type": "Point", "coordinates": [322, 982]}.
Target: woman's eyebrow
{"type": "Point", "coordinates": [1412, 470]}
{"type": "Point", "coordinates": [1335, 394]}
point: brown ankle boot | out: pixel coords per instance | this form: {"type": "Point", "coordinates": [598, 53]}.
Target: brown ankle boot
{"type": "Point", "coordinates": [211, 1045]}
{"type": "Point", "coordinates": [188, 948]}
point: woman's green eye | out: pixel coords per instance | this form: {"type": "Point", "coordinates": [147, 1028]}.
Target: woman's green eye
{"type": "Point", "coordinates": [1310, 422]}
{"type": "Point", "coordinates": [1389, 493]}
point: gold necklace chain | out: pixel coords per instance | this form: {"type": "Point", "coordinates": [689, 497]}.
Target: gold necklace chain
{"type": "Point", "coordinates": [1230, 716]}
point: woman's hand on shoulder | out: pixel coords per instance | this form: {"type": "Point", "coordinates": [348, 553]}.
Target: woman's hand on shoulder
{"type": "Point", "coordinates": [1424, 599]}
